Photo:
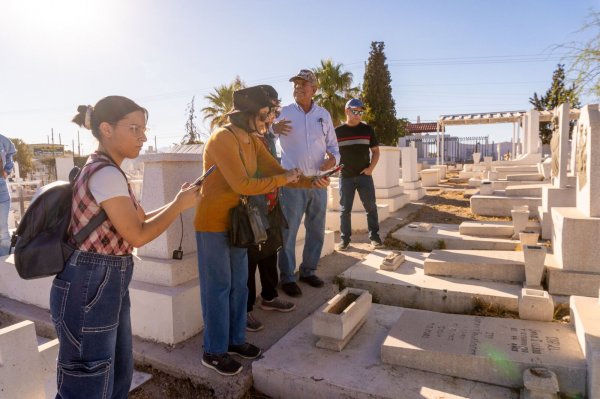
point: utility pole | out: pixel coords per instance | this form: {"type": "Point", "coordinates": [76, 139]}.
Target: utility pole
{"type": "Point", "coordinates": [73, 147]}
{"type": "Point", "coordinates": [155, 147]}
{"type": "Point", "coordinates": [78, 145]}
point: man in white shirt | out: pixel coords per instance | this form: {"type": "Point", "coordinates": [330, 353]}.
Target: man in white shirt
{"type": "Point", "coordinates": [310, 145]}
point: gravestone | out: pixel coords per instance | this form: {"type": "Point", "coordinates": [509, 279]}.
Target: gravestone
{"type": "Point", "coordinates": [560, 194]}
{"type": "Point", "coordinates": [386, 178]}
{"type": "Point", "coordinates": [576, 230]}
{"type": "Point", "coordinates": [486, 349]}
{"type": "Point", "coordinates": [410, 175]}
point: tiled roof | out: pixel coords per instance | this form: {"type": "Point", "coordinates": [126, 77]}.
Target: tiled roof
{"type": "Point", "coordinates": [430, 127]}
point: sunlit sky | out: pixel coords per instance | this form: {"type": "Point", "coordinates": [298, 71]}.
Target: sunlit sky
{"type": "Point", "coordinates": [444, 56]}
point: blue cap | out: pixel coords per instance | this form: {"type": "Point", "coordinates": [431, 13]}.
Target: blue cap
{"type": "Point", "coordinates": [355, 103]}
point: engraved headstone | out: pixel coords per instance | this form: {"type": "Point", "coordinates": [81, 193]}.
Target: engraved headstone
{"type": "Point", "coordinates": [487, 349]}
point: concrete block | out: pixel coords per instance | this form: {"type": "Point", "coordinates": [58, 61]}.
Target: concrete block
{"type": "Point", "coordinates": [392, 261]}
{"type": "Point", "coordinates": [34, 292]}
{"type": "Point", "coordinates": [358, 219]}
{"type": "Point", "coordinates": [525, 190]}
{"type": "Point", "coordinates": [486, 349]}
{"type": "Point", "coordinates": [534, 257]}
{"type": "Point", "coordinates": [554, 197]}
{"type": "Point", "coordinates": [429, 177]}
{"type": "Point", "coordinates": [340, 318]}
{"type": "Point", "coordinates": [409, 164]}
{"type": "Point", "coordinates": [504, 266]}
{"type": "Point", "coordinates": [536, 305]}
{"type": "Point", "coordinates": [580, 254]}
{"type": "Point", "coordinates": [449, 236]}
{"type": "Point", "coordinates": [416, 194]}
{"type": "Point", "coordinates": [443, 170]}
{"type": "Point", "coordinates": [519, 220]}
{"type": "Point", "coordinates": [164, 174]}
{"type": "Point", "coordinates": [585, 316]}
{"type": "Point", "coordinates": [167, 272]}
{"type": "Point", "coordinates": [21, 373]}
{"type": "Point", "coordinates": [563, 282]}
{"type": "Point", "coordinates": [388, 192]}
{"type": "Point", "coordinates": [588, 161]}
{"type": "Point", "coordinates": [166, 314]}
{"type": "Point", "coordinates": [394, 203]}
{"type": "Point", "coordinates": [411, 185]}
{"type": "Point", "coordinates": [527, 237]}
{"type": "Point", "coordinates": [287, 369]}
{"type": "Point", "coordinates": [493, 229]}
{"type": "Point", "coordinates": [501, 205]}
{"type": "Point", "coordinates": [525, 177]}
{"type": "Point", "coordinates": [486, 188]}
{"type": "Point", "coordinates": [387, 172]}
{"type": "Point", "coordinates": [540, 383]}
{"type": "Point", "coordinates": [408, 286]}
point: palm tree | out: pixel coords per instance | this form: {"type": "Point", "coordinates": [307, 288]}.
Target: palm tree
{"type": "Point", "coordinates": [335, 88]}
{"type": "Point", "coordinates": [221, 102]}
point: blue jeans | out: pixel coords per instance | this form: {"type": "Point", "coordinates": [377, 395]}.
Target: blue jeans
{"type": "Point", "coordinates": [4, 209]}
{"type": "Point", "coordinates": [89, 303]}
{"type": "Point", "coordinates": [296, 203]}
{"type": "Point", "coordinates": [366, 191]}
{"type": "Point", "coordinates": [223, 273]}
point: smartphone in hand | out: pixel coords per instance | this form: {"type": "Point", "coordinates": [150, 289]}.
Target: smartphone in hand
{"type": "Point", "coordinates": [199, 180]}
{"type": "Point", "coordinates": [329, 172]}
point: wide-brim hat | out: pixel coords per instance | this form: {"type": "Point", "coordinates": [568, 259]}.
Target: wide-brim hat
{"type": "Point", "coordinates": [250, 99]}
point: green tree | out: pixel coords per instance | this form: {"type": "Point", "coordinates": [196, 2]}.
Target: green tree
{"type": "Point", "coordinates": [556, 95]}
{"type": "Point", "coordinates": [191, 130]}
{"type": "Point", "coordinates": [377, 96]}
{"type": "Point", "coordinates": [335, 88]}
{"type": "Point", "coordinates": [221, 102]}
{"type": "Point", "coordinates": [23, 157]}
{"type": "Point", "coordinates": [586, 57]}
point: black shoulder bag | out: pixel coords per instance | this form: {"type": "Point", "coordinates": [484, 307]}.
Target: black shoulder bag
{"type": "Point", "coordinates": [247, 226]}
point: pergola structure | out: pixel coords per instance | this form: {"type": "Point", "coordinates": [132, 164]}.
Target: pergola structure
{"type": "Point", "coordinates": [514, 117]}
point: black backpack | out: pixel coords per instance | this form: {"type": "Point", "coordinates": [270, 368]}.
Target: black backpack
{"type": "Point", "coordinates": [41, 240]}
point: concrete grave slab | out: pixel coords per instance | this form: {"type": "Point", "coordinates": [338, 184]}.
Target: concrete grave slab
{"type": "Point", "coordinates": [452, 239]}
{"type": "Point", "coordinates": [503, 266]}
{"type": "Point", "coordinates": [585, 315]}
{"type": "Point", "coordinates": [287, 370]}
{"type": "Point", "coordinates": [525, 190]}
{"type": "Point", "coordinates": [494, 229]}
{"type": "Point", "coordinates": [486, 349]}
{"type": "Point", "coordinates": [408, 286]}
{"type": "Point", "coordinates": [501, 205]}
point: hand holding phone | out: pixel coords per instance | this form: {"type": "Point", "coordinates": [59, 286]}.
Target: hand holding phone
{"type": "Point", "coordinates": [331, 171]}
{"type": "Point", "coordinates": [199, 180]}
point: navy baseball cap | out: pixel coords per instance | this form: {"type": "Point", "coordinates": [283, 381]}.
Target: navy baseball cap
{"type": "Point", "coordinates": [355, 103]}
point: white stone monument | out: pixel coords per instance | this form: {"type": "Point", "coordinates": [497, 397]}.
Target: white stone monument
{"type": "Point", "coordinates": [410, 176]}
{"type": "Point", "coordinates": [560, 194]}
{"type": "Point", "coordinates": [386, 178]}
{"type": "Point", "coordinates": [576, 230]}
{"type": "Point", "coordinates": [63, 167]}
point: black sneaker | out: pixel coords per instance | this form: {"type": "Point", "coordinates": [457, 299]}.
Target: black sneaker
{"type": "Point", "coordinates": [253, 324]}
{"type": "Point", "coordinates": [313, 281]}
{"type": "Point", "coordinates": [247, 351]}
{"type": "Point", "coordinates": [377, 244]}
{"type": "Point", "coordinates": [222, 364]}
{"type": "Point", "coordinates": [291, 289]}
{"type": "Point", "coordinates": [342, 246]}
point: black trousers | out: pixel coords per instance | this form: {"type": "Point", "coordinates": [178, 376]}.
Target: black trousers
{"type": "Point", "coordinates": [267, 268]}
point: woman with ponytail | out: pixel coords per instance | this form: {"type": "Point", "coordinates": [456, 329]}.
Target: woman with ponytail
{"type": "Point", "coordinates": [89, 299]}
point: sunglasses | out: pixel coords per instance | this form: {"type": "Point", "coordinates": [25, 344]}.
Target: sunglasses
{"type": "Point", "coordinates": [356, 112]}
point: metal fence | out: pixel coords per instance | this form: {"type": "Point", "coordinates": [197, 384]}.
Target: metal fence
{"type": "Point", "coordinates": [456, 149]}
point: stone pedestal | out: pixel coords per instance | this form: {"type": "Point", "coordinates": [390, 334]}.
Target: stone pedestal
{"type": "Point", "coordinates": [164, 174]}
{"type": "Point", "coordinates": [392, 261]}
{"type": "Point", "coordinates": [165, 293]}
{"type": "Point", "coordinates": [519, 219]}
{"type": "Point", "coordinates": [486, 188]}
{"type": "Point", "coordinates": [386, 178]}
{"type": "Point", "coordinates": [429, 177]}
{"type": "Point", "coordinates": [540, 383]}
{"type": "Point", "coordinates": [410, 174]}
{"type": "Point", "coordinates": [528, 237]}
{"type": "Point", "coordinates": [575, 240]}
{"type": "Point", "coordinates": [554, 197]}
{"type": "Point", "coordinates": [534, 257]}
{"type": "Point", "coordinates": [476, 157]}
{"type": "Point", "coordinates": [536, 305]}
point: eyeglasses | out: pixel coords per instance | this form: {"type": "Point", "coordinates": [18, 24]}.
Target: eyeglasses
{"type": "Point", "coordinates": [356, 112]}
{"type": "Point", "coordinates": [137, 130]}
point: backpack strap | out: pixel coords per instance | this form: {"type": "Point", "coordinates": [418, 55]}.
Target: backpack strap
{"type": "Point", "coordinates": [97, 220]}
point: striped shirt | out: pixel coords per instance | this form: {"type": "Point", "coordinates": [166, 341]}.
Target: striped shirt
{"type": "Point", "coordinates": [355, 143]}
